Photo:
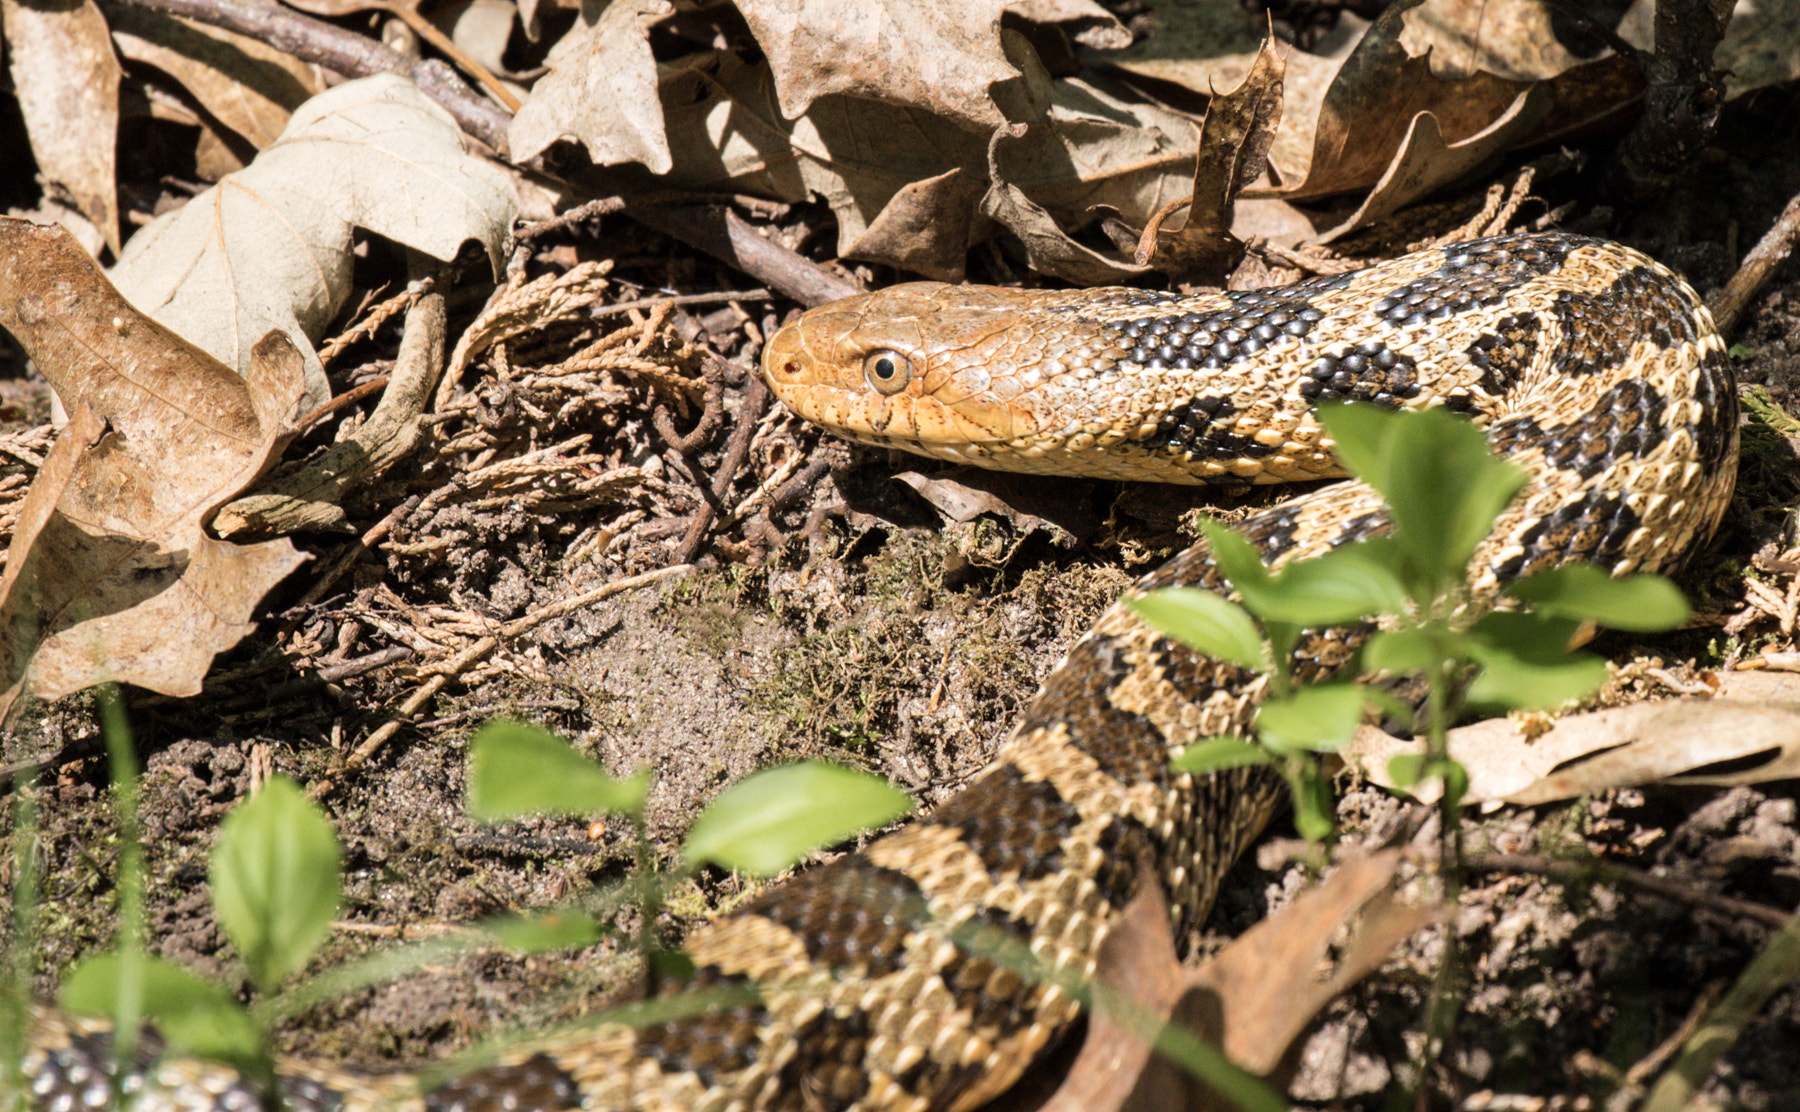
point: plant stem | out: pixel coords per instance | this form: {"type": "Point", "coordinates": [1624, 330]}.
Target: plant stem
{"type": "Point", "coordinates": [20, 964]}
{"type": "Point", "coordinates": [128, 1011]}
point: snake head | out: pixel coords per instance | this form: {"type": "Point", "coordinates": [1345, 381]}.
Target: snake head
{"type": "Point", "coordinates": [925, 366]}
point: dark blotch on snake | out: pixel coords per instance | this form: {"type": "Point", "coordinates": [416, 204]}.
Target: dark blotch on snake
{"type": "Point", "coordinates": [1017, 828]}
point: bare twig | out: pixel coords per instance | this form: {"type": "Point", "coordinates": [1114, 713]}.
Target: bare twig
{"type": "Point", "coordinates": [1582, 871]}
{"type": "Point", "coordinates": [1770, 252]}
{"type": "Point", "coordinates": [342, 401]}
{"type": "Point", "coordinates": [713, 297]}
{"type": "Point", "coordinates": [712, 414]}
{"type": "Point", "coordinates": [754, 400]}
{"type": "Point", "coordinates": [311, 497]}
{"type": "Point", "coordinates": [1681, 104]}
{"type": "Point", "coordinates": [724, 235]}
{"type": "Point", "coordinates": [410, 15]}
{"type": "Point", "coordinates": [461, 662]}
{"type": "Point", "coordinates": [1772, 969]}
{"type": "Point", "coordinates": [345, 52]}
{"type": "Point", "coordinates": [608, 206]}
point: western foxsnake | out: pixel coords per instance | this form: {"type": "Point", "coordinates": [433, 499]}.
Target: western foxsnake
{"type": "Point", "coordinates": [1588, 364]}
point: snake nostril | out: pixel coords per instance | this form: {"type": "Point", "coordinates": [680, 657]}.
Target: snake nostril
{"type": "Point", "coordinates": [791, 368]}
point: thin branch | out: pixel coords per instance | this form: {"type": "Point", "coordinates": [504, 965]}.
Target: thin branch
{"type": "Point", "coordinates": [1590, 871]}
{"type": "Point", "coordinates": [1759, 265]}
{"type": "Point", "coordinates": [345, 52]}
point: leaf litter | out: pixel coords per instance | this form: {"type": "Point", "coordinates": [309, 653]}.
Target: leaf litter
{"type": "Point", "coordinates": [917, 175]}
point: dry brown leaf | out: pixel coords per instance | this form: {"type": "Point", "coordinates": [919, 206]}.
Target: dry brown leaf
{"type": "Point", "coordinates": [1761, 45]}
{"type": "Point", "coordinates": [67, 81]}
{"type": "Point", "coordinates": [1429, 93]}
{"type": "Point", "coordinates": [601, 91]}
{"type": "Point", "coordinates": [112, 574]}
{"type": "Point", "coordinates": [911, 189]}
{"type": "Point", "coordinates": [726, 131]}
{"type": "Point", "coordinates": [1753, 727]}
{"type": "Point", "coordinates": [926, 226]}
{"type": "Point", "coordinates": [963, 494]}
{"type": "Point", "coordinates": [1427, 161]}
{"type": "Point", "coordinates": [1234, 151]}
{"type": "Point", "coordinates": [942, 58]}
{"type": "Point", "coordinates": [480, 29]}
{"type": "Point", "coordinates": [1254, 1000]}
{"type": "Point", "coordinates": [1372, 105]}
{"type": "Point", "coordinates": [246, 85]}
{"type": "Point", "coordinates": [1049, 249]}
{"type": "Point", "coordinates": [269, 247]}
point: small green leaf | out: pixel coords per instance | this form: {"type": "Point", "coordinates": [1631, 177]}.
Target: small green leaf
{"type": "Point", "coordinates": [769, 821]}
{"type": "Point", "coordinates": [1404, 652]}
{"type": "Point", "coordinates": [1205, 621]}
{"type": "Point", "coordinates": [1442, 487]}
{"type": "Point", "coordinates": [517, 770]}
{"type": "Point", "coordinates": [1360, 435]}
{"type": "Point", "coordinates": [1320, 718]}
{"type": "Point", "coordinates": [1740, 351]}
{"type": "Point", "coordinates": [276, 880]}
{"type": "Point", "coordinates": [193, 1015]}
{"type": "Point", "coordinates": [1525, 662]}
{"type": "Point", "coordinates": [1406, 769]}
{"type": "Point", "coordinates": [536, 934]}
{"type": "Point", "coordinates": [1237, 558]}
{"type": "Point", "coordinates": [1315, 813]}
{"type": "Point", "coordinates": [1345, 585]}
{"type": "Point", "coordinates": [1638, 603]}
{"type": "Point", "coordinates": [1455, 777]}
{"type": "Point", "coordinates": [1215, 754]}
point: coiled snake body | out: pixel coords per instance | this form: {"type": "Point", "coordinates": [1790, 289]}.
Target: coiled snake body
{"type": "Point", "coordinates": [1589, 365]}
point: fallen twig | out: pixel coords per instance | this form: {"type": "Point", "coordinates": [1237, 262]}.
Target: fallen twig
{"type": "Point", "coordinates": [456, 665]}
{"type": "Point", "coordinates": [1758, 266]}
{"type": "Point", "coordinates": [725, 235]}
{"type": "Point", "coordinates": [345, 52]}
{"type": "Point", "coordinates": [1591, 871]}
{"type": "Point", "coordinates": [754, 400]}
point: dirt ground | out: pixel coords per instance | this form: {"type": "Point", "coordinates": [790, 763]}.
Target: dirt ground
{"type": "Point", "coordinates": [858, 629]}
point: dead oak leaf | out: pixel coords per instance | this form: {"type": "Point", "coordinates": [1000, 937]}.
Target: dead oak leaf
{"type": "Point", "coordinates": [601, 91]}
{"type": "Point", "coordinates": [245, 85]}
{"type": "Point", "coordinates": [112, 575]}
{"type": "Point", "coordinates": [1750, 734]}
{"type": "Point", "coordinates": [1234, 151]}
{"type": "Point", "coordinates": [938, 55]}
{"type": "Point", "coordinates": [269, 248]}
{"type": "Point", "coordinates": [67, 83]}
{"type": "Point", "coordinates": [1254, 1000]}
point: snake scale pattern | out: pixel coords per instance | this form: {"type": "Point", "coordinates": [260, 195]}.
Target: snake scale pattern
{"type": "Point", "coordinates": [1588, 364]}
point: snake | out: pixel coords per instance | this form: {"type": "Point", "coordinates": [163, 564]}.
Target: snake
{"type": "Point", "coordinates": [932, 968]}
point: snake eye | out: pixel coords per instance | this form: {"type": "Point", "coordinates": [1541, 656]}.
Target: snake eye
{"type": "Point", "coordinates": [887, 370]}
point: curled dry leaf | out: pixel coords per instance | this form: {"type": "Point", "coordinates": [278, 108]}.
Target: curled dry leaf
{"type": "Point", "coordinates": [269, 247]}
{"type": "Point", "coordinates": [1752, 730]}
{"type": "Point", "coordinates": [112, 574]}
{"type": "Point", "coordinates": [1254, 999]}
{"type": "Point", "coordinates": [963, 494]}
{"type": "Point", "coordinates": [905, 180]}
{"type": "Point", "coordinates": [601, 91]}
{"type": "Point", "coordinates": [1429, 92]}
{"type": "Point", "coordinates": [1234, 151]}
{"type": "Point", "coordinates": [62, 67]}
{"type": "Point", "coordinates": [943, 58]}
{"type": "Point", "coordinates": [244, 84]}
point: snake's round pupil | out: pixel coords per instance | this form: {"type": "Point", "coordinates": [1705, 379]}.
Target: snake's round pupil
{"type": "Point", "coordinates": [887, 371]}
